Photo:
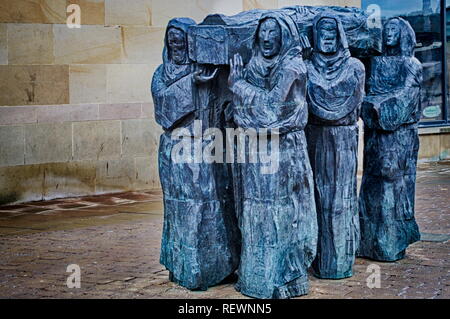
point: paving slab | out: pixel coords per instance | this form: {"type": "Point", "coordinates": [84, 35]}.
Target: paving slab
{"type": "Point", "coordinates": [115, 240]}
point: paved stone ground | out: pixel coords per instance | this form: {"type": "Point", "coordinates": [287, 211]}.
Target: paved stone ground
{"type": "Point", "coordinates": [115, 240]}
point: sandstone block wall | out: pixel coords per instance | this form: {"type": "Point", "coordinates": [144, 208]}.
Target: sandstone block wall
{"type": "Point", "coordinates": [76, 113]}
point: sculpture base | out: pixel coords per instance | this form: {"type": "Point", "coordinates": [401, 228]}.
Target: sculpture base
{"type": "Point", "coordinates": [297, 287]}
{"type": "Point", "coordinates": [178, 282]}
{"type": "Point", "coordinates": [333, 276]}
{"type": "Point", "coordinates": [401, 255]}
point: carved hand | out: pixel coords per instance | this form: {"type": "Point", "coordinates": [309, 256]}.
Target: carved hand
{"type": "Point", "coordinates": [294, 65]}
{"type": "Point", "coordinates": [302, 10]}
{"type": "Point", "coordinates": [203, 75]}
{"type": "Point", "coordinates": [236, 70]}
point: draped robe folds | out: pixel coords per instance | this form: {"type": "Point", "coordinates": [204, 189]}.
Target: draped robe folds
{"type": "Point", "coordinates": [335, 94]}
{"type": "Point", "coordinates": [277, 215]}
{"type": "Point", "coordinates": [390, 112]}
{"type": "Point", "coordinates": [333, 150]}
{"type": "Point", "coordinates": [200, 240]}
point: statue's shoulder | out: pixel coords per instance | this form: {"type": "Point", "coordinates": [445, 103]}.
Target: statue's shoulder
{"type": "Point", "coordinates": [415, 69]}
{"type": "Point", "coordinates": [157, 78]}
{"type": "Point", "coordinates": [294, 54]}
{"type": "Point", "coordinates": [357, 64]}
{"type": "Point", "coordinates": [158, 70]}
{"type": "Point", "coordinates": [414, 63]}
{"type": "Point", "coordinates": [309, 64]}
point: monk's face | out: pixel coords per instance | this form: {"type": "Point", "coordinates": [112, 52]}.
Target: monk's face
{"type": "Point", "coordinates": [328, 36]}
{"type": "Point", "coordinates": [177, 45]}
{"type": "Point", "coordinates": [392, 33]}
{"type": "Point", "coordinates": [269, 37]}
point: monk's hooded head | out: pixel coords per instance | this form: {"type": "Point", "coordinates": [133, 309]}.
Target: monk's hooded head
{"type": "Point", "coordinates": [398, 38]}
{"type": "Point", "coordinates": [329, 35]}
{"type": "Point", "coordinates": [176, 44]}
{"type": "Point", "coordinates": [269, 38]}
{"type": "Point", "coordinates": [176, 52]}
{"type": "Point", "coordinates": [330, 45]}
{"type": "Point", "coordinates": [275, 36]}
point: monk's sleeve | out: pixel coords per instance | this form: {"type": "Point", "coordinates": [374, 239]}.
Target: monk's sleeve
{"type": "Point", "coordinates": [259, 108]}
{"type": "Point", "coordinates": [368, 111]}
{"type": "Point", "coordinates": [360, 73]}
{"type": "Point", "coordinates": [397, 110]}
{"type": "Point", "coordinates": [173, 102]}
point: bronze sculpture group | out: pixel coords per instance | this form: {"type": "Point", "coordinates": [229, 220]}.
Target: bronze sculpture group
{"type": "Point", "coordinates": [256, 70]}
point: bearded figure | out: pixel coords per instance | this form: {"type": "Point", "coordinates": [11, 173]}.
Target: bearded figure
{"type": "Point", "coordinates": [200, 240]}
{"type": "Point", "coordinates": [391, 113]}
{"type": "Point", "coordinates": [277, 213]}
{"type": "Point", "coordinates": [335, 94]}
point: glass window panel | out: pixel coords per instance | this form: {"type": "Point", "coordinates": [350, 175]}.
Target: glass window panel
{"type": "Point", "coordinates": [447, 22]}
{"type": "Point", "coordinates": [425, 18]}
